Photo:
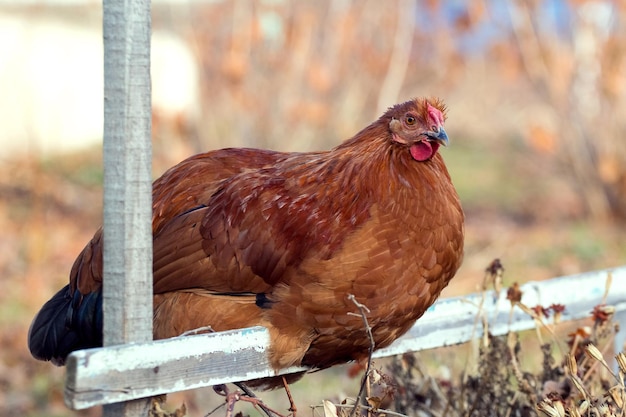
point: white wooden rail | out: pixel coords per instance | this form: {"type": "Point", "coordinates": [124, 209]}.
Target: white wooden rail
{"type": "Point", "coordinates": [120, 373]}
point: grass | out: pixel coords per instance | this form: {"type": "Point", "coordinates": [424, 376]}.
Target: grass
{"type": "Point", "coordinates": [484, 179]}
{"type": "Point", "coordinates": [83, 169]}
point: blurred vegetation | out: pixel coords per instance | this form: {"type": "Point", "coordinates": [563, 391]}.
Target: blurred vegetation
{"type": "Point", "coordinates": [535, 91]}
{"type": "Point", "coordinates": [546, 77]}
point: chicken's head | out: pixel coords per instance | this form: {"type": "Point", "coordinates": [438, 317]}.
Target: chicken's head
{"type": "Point", "coordinates": [418, 124]}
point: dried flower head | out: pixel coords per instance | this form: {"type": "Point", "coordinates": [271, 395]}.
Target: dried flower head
{"type": "Point", "coordinates": [602, 313]}
{"type": "Point", "coordinates": [514, 294]}
{"type": "Point", "coordinates": [571, 365]}
{"type": "Point", "coordinates": [495, 267]}
{"type": "Point", "coordinates": [581, 334]}
{"type": "Point", "coordinates": [578, 384]}
{"type": "Point", "coordinates": [621, 362]}
{"type": "Point", "coordinates": [593, 352]}
{"type": "Point", "coordinates": [541, 311]}
{"type": "Point", "coordinates": [618, 394]}
{"type": "Point", "coordinates": [558, 310]}
{"type": "Point", "coordinates": [549, 408]}
{"type": "Point", "coordinates": [493, 275]}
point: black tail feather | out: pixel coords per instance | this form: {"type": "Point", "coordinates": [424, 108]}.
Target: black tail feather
{"type": "Point", "coordinates": [66, 323]}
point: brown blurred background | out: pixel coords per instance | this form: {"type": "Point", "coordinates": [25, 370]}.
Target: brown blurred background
{"type": "Point", "coordinates": [536, 92]}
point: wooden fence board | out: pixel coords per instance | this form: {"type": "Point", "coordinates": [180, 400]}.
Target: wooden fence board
{"type": "Point", "coordinates": [97, 376]}
{"type": "Point", "coordinates": [144, 369]}
{"type": "Point", "coordinates": [453, 320]}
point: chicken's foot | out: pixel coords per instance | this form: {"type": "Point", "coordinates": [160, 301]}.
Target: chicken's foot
{"type": "Point", "coordinates": [245, 395]}
{"type": "Point", "coordinates": [292, 405]}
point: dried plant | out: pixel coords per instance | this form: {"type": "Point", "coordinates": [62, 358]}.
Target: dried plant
{"type": "Point", "coordinates": [581, 384]}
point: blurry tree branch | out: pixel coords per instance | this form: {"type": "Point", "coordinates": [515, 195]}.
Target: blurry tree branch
{"type": "Point", "coordinates": [400, 55]}
{"type": "Point", "coordinates": [569, 73]}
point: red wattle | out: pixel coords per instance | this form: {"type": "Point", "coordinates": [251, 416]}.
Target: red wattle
{"type": "Point", "coordinates": [423, 150]}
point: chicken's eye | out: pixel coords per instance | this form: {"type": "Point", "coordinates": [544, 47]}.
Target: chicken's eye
{"type": "Point", "coordinates": [410, 120]}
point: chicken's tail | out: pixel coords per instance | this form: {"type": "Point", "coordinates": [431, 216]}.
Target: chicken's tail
{"type": "Point", "coordinates": [67, 322]}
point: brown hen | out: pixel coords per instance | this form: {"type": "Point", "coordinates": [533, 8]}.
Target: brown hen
{"type": "Point", "coordinates": [246, 237]}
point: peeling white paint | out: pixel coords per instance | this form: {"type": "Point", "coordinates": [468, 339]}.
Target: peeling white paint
{"type": "Point", "coordinates": [148, 355]}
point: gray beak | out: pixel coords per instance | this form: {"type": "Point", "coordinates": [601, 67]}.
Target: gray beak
{"type": "Point", "coordinates": [439, 136]}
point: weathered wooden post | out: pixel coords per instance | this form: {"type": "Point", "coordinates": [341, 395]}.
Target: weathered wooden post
{"type": "Point", "coordinates": [127, 293]}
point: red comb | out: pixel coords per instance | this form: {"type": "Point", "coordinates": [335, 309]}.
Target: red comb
{"type": "Point", "coordinates": [435, 115]}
